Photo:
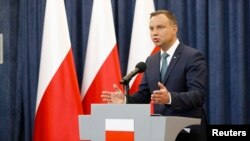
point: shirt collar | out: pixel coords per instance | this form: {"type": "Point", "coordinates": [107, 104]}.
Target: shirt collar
{"type": "Point", "coordinates": [172, 49]}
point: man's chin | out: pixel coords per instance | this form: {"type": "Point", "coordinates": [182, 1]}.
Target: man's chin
{"type": "Point", "coordinates": [158, 44]}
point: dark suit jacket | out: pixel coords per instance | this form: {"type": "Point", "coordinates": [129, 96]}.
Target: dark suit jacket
{"type": "Point", "coordinates": [185, 79]}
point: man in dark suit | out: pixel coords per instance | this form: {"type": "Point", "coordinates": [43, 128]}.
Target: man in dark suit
{"type": "Point", "coordinates": [180, 90]}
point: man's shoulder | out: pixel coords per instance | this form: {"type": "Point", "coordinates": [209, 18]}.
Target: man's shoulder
{"type": "Point", "coordinates": [189, 49]}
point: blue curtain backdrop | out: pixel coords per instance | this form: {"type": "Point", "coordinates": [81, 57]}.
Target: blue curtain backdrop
{"type": "Point", "coordinates": [219, 28]}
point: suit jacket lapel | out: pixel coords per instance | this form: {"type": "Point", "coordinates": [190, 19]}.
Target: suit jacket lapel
{"type": "Point", "coordinates": [173, 61]}
{"type": "Point", "coordinates": [157, 65]}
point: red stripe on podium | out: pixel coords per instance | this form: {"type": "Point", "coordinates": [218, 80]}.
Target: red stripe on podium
{"type": "Point", "coordinates": [119, 136]}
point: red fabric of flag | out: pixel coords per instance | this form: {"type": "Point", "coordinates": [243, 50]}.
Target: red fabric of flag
{"type": "Point", "coordinates": [140, 33]}
{"type": "Point", "coordinates": [102, 67]}
{"type": "Point", "coordinates": [58, 97]}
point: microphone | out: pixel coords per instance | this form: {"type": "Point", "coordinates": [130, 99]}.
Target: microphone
{"type": "Point", "coordinates": [139, 68]}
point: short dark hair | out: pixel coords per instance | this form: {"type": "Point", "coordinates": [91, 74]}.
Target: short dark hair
{"type": "Point", "coordinates": [167, 13]}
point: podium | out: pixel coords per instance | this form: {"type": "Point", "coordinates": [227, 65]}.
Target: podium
{"type": "Point", "coordinates": [146, 127]}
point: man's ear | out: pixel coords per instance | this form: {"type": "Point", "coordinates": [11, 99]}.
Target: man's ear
{"type": "Point", "coordinates": [175, 28]}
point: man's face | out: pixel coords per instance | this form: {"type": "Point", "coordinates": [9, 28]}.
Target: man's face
{"type": "Point", "coordinates": [162, 31]}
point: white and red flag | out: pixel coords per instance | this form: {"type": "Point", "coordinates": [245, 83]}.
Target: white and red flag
{"type": "Point", "coordinates": [141, 45]}
{"type": "Point", "coordinates": [102, 67]}
{"type": "Point", "coordinates": [58, 97]}
{"type": "Point", "coordinates": [119, 130]}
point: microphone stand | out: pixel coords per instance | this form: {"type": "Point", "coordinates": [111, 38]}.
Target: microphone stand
{"type": "Point", "coordinates": [140, 67]}
{"type": "Point", "coordinates": [126, 87]}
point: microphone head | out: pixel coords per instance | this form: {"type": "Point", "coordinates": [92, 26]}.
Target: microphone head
{"type": "Point", "coordinates": [141, 66]}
